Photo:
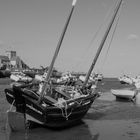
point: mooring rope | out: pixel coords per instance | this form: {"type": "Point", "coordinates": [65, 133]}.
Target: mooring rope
{"type": "Point", "coordinates": [64, 111]}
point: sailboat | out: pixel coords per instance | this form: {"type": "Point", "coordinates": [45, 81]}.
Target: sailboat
{"type": "Point", "coordinates": [53, 105]}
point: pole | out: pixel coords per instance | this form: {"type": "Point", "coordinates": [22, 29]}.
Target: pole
{"type": "Point", "coordinates": [56, 52]}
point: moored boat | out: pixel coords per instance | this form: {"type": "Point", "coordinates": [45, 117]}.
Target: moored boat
{"type": "Point", "coordinates": [124, 94]}
{"type": "Point", "coordinates": [50, 112]}
{"type": "Point", "coordinates": [125, 79]}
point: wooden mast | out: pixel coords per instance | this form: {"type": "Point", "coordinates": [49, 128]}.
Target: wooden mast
{"type": "Point", "coordinates": [102, 43]}
{"type": "Point", "coordinates": [56, 52]}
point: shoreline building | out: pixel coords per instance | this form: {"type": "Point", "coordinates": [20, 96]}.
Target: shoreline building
{"type": "Point", "coordinates": [12, 61]}
{"type": "Point", "coordinates": [4, 62]}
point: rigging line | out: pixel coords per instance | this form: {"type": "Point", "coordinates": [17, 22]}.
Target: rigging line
{"type": "Point", "coordinates": [83, 56]}
{"type": "Point", "coordinates": [109, 46]}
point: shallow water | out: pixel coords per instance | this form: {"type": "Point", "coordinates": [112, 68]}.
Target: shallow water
{"type": "Point", "coordinates": [89, 130]}
{"type": "Point", "coordinates": [107, 96]}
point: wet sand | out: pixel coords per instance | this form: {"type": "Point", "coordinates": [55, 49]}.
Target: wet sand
{"type": "Point", "coordinates": [107, 119]}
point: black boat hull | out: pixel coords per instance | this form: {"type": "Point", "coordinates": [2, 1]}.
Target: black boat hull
{"type": "Point", "coordinates": [51, 116]}
{"type": "Point", "coordinates": [4, 73]}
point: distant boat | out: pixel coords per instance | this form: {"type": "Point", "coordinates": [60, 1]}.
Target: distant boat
{"type": "Point", "coordinates": [125, 79]}
{"type": "Point", "coordinates": [98, 77]}
{"type": "Point", "coordinates": [20, 77]}
{"type": "Point", "coordinates": [55, 105]}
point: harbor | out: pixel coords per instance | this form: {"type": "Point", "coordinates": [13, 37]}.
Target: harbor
{"type": "Point", "coordinates": [70, 91]}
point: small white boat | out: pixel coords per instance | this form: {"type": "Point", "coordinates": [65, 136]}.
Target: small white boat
{"type": "Point", "coordinates": [98, 77]}
{"type": "Point", "coordinates": [123, 94]}
{"type": "Point", "coordinates": [125, 80]}
{"type": "Point", "coordinates": [20, 77]}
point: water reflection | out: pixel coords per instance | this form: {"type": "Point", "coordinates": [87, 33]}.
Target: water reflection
{"type": "Point", "coordinates": [79, 132]}
{"type": "Point", "coordinates": [89, 130]}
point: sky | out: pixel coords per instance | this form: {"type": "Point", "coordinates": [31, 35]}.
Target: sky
{"type": "Point", "coordinates": [33, 27]}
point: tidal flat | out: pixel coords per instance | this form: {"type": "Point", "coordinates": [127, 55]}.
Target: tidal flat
{"type": "Point", "coordinates": [107, 119]}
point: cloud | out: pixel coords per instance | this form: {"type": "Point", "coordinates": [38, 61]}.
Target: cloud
{"type": "Point", "coordinates": [132, 36]}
